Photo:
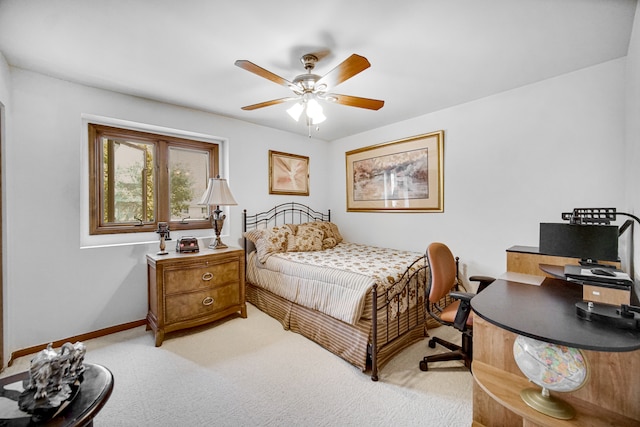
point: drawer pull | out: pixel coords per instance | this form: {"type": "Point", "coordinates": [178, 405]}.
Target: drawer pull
{"type": "Point", "coordinates": [207, 301]}
{"type": "Point", "coordinates": [207, 276]}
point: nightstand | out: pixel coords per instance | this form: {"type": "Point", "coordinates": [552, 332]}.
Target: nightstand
{"type": "Point", "coordinates": [191, 289]}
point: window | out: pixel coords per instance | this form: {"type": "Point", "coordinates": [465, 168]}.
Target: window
{"type": "Point", "coordinates": [137, 179]}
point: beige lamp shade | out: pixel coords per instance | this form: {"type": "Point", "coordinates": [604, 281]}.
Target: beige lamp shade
{"type": "Point", "coordinates": [217, 193]}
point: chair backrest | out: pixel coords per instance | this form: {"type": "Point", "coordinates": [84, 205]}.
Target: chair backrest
{"type": "Point", "coordinates": [443, 271]}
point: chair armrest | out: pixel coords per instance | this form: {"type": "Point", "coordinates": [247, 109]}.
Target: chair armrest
{"type": "Point", "coordinates": [484, 281]}
{"type": "Point", "coordinates": [488, 279]}
{"type": "Point", "coordinates": [464, 309]}
{"type": "Point", "coordinates": [463, 296]}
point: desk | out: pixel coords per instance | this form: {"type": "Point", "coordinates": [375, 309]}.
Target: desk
{"type": "Point", "coordinates": [94, 392]}
{"type": "Point", "coordinates": [546, 312]}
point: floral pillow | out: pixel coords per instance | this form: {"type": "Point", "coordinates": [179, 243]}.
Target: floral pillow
{"type": "Point", "coordinates": [331, 235]}
{"type": "Point", "coordinates": [307, 239]}
{"type": "Point", "coordinates": [336, 232]}
{"type": "Point", "coordinates": [269, 241]}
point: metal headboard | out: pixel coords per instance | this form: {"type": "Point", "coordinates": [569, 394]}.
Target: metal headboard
{"type": "Point", "coordinates": [285, 213]}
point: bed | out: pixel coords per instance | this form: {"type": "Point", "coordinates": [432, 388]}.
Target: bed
{"type": "Point", "coordinates": [362, 303]}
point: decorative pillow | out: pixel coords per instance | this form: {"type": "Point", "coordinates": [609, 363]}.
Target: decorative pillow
{"type": "Point", "coordinates": [253, 235]}
{"type": "Point", "coordinates": [293, 227]}
{"type": "Point", "coordinates": [331, 234]}
{"type": "Point", "coordinates": [329, 243]}
{"type": "Point", "coordinates": [336, 232]}
{"type": "Point", "coordinates": [307, 239]}
{"type": "Point", "coordinates": [269, 241]}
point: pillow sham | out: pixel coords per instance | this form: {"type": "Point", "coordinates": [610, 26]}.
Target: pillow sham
{"type": "Point", "coordinates": [307, 239]}
{"type": "Point", "coordinates": [336, 232]}
{"type": "Point", "coordinates": [269, 241]}
{"type": "Point", "coordinates": [331, 235]}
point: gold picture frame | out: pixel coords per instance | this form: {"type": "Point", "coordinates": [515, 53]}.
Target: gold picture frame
{"type": "Point", "coordinates": [399, 176]}
{"type": "Point", "coordinates": [288, 174]}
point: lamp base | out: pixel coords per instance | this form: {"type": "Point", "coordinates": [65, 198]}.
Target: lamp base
{"type": "Point", "coordinates": [217, 221]}
{"type": "Point", "coordinates": [217, 244]}
{"type": "Point", "coordinates": [548, 405]}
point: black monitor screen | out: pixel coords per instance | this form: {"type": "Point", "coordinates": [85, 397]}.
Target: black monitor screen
{"type": "Point", "coordinates": [594, 242]}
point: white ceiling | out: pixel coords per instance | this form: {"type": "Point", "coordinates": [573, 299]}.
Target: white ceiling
{"type": "Point", "coordinates": [425, 55]}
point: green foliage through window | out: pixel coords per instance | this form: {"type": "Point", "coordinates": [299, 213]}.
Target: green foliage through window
{"type": "Point", "coordinates": [138, 179]}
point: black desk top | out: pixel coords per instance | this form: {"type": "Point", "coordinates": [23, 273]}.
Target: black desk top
{"type": "Point", "coordinates": [548, 313]}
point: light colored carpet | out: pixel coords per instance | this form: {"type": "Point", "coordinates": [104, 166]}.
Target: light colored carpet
{"type": "Point", "coordinates": [251, 372]}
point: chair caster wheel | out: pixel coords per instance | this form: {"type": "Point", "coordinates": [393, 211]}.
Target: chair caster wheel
{"type": "Point", "coordinates": [432, 344]}
{"type": "Point", "coordinates": [424, 366]}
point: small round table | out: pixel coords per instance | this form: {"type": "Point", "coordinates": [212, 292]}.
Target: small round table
{"type": "Point", "coordinates": [94, 392]}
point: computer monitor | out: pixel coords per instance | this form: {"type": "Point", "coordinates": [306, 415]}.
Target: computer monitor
{"type": "Point", "coordinates": [588, 242]}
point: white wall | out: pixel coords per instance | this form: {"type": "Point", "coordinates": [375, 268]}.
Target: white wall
{"type": "Point", "coordinates": [5, 109]}
{"type": "Point", "coordinates": [4, 80]}
{"type": "Point", "coordinates": [512, 160]}
{"type": "Point", "coordinates": [632, 177]}
{"type": "Point", "coordinates": [54, 288]}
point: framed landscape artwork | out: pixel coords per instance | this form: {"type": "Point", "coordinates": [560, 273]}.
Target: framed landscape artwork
{"type": "Point", "coordinates": [288, 174]}
{"type": "Point", "coordinates": [398, 176]}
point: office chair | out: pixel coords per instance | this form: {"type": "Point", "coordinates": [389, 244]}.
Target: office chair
{"type": "Point", "coordinates": [448, 305]}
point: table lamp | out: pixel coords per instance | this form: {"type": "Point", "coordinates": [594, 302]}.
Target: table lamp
{"type": "Point", "coordinates": [217, 194]}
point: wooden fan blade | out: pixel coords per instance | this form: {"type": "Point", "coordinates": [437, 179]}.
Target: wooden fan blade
{"type": "Point", "coordinates": [267, 103]}
{"type": "Point", "coordinates": [256, 69]}
{"type": "Point", "coordinates": [354, 101]}
{"type": "Point", "coordinates": [347, 69]}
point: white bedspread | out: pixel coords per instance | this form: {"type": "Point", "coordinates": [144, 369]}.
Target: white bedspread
{"type": "Point", "coordinates": [333, 281]}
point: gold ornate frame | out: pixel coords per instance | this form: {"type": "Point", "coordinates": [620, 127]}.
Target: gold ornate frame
{"type": "Point", "coordinates": [288, 174]}
{"type": "Point", "coordinates": [399, 176]}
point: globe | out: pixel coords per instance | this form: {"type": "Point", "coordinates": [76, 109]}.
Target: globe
{"type": "Point", "coordinates": [553, 367]}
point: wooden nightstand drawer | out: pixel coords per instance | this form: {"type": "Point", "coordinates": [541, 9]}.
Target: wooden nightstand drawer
{"type": "Point", "coordinates": [197, 304]}
{"type": "Point", "coordinates": [179, 279]}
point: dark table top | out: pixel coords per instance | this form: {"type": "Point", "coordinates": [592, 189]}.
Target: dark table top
{"type": "Point", "coordinates": [547, 312]}
{"type": "Point", "coordinates": [94, 392]}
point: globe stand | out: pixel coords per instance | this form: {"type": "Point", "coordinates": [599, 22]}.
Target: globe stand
{"type": "Point", "coordinates": [542, 401]}
{"type": "Point", "coordinates": [552, 367]}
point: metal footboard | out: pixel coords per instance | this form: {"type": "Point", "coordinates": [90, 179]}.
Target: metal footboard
{"type": "Point", "coordinates": [415, 280]}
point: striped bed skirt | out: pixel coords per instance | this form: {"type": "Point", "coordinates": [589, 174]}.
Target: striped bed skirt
{"type": "Point", "coordinates": [350, 342]}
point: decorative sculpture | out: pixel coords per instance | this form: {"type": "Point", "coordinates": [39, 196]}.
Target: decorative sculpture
{"type": "Point", "coordinates": [163, 231]}
{"type": "Point", "coordinates": [54, 380]}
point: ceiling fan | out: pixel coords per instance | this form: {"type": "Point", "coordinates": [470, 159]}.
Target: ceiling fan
{"type": "Point", "coordinates": [309, 88]}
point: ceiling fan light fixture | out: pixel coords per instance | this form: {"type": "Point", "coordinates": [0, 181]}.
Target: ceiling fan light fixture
{"type": "Point", "coordinates": [296, 110]}
{"type": "Point", "coordinates": [313, 107]}
{"type": "Point", "coordinates": [318, 118]}
{"type": "Point", "coordinates": [296, 89]}
{"type": "Point", "coordinates": [314, 111]}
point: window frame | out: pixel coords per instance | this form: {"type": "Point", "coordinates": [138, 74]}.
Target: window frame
{"type": "Point", "coordinates": [162, 144]}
